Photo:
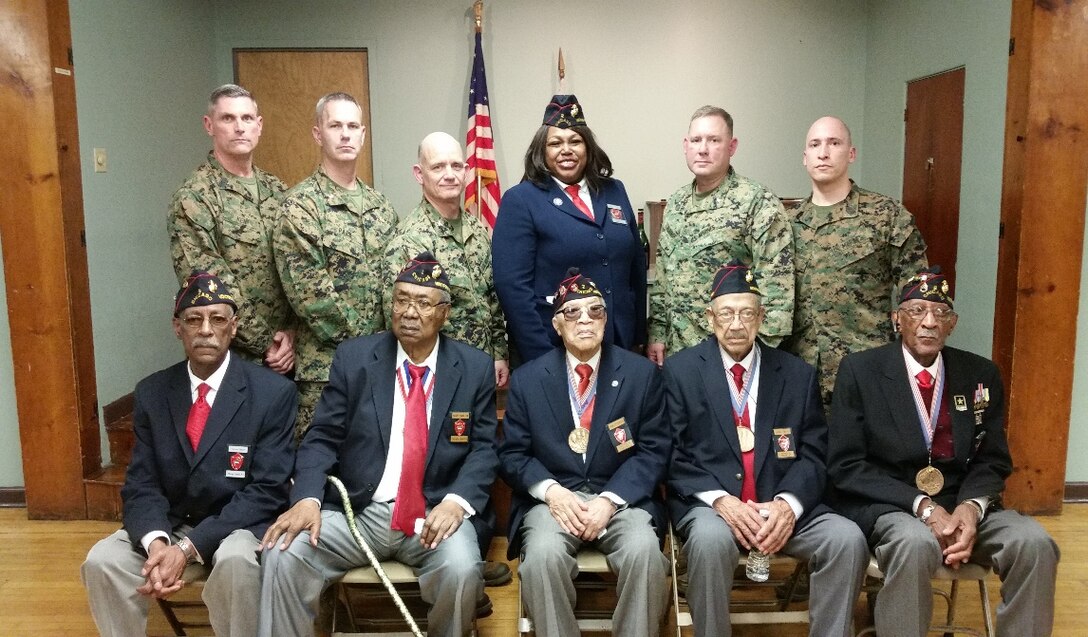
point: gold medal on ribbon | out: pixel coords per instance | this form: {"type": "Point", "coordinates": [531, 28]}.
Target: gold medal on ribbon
{"type": "Point", "coordinates": [930, 480]}
{"type": "Point", "coordinates": [747, 439]}
{"type": "Point", "coordinates": [578, 440]}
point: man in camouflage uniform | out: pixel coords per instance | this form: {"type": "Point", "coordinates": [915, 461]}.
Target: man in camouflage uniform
{"type": "Point", "coordinates": [221, 221]}
{"type": "Point", "coordinates": [460, 241]}
{"type": "Point", "coordinates": [853, 249]}
{"type": "Point", "coordinates": [716, 218]}
{"type": "Point", "coordinates": [330, 245]}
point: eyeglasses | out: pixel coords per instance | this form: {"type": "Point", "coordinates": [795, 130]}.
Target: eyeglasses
{"type": "Point", "coordinates": [942, 313]}
{"type": "Point", "coordinates": [596, 312]}
{"type": "Point", "coordinates": [726, 316]}
{"type": "Point", "coordinates": [195, 321]}
{"type": "Point", "coordinates": [422, 306]}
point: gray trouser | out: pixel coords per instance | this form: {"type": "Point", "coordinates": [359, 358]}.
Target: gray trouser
{"type": "Point", "coordinates": [1021, 551]}
{"type": "Point", "coordinates": [111, 575]}
{"type": "Point", "coordinates": [549, 565]}
{"type": "Point", "coordinates": [450, 576]}
{"type": "Point", "coordinates": [833, 546]}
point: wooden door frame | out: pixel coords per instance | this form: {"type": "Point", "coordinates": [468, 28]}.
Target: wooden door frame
{"type": "Point", "coordinates": [45, 260]}
{"type": "Point", "coordinates": [1044, 184]}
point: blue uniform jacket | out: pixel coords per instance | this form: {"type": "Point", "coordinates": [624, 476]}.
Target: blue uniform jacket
{"type": "Point", "coordinates": [539, 234]}
{"type": "Point", "coordinates": [539, 419]}
{"type": "Point", "coordinates": [237, 477]}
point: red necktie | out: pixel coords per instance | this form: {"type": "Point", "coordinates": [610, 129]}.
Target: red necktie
{"type": "Point", "coordinates": [198, 415]}
{"type": "Point", "coordinates": [572, 190]}
{"type": "Point", "coordinates": [925, 387]}
{"type": "Point", "coordinates": [584, 373]}
{"type": "Point", "coordinates": [748, 458]}
{"type": "Point", "coordinates": [941, 445]}
{"type": "Point", "coordinates": [409, 505]}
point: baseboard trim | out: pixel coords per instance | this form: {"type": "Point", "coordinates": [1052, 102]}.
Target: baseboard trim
{"type": "Point", "coordinates": [1076, 492]}
{"type": "Point", "coordinates": [12, 497]}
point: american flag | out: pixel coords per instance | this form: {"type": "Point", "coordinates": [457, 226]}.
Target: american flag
{"type": "Point", "coordinates": [482, 194]}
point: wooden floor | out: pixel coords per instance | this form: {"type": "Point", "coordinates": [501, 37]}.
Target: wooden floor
{"type": "Point", "coordinates": [40, 591]}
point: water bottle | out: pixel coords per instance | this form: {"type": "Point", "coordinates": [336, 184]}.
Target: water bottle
{"type": "Point", "coordinates": [758, 566]}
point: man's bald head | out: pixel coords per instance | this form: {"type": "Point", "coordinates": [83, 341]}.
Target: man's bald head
{"type": "Point", "coordinates": [438, 142]}
{"type": "Point", "coordinates": [441, 172]}
{"type": "Point", "coordinates": [830, 123]}
{"type": "Point", "coordinates": [828, 154]}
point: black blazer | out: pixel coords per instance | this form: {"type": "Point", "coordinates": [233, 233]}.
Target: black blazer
{"type": "Point", "coordinates": [251, 422]}
{"type": "Point", "coordinates": [706, 451]}
{"type": "Point", "coordinates": [538, 420]}
{"type": "Point", "coordinates": [877, 445]}
{"type": "Point", "coordinates": [349, 437]}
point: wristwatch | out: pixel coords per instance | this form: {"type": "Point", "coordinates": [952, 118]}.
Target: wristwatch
{"type": "Point", "coordinates": [187, 549]}
{"type": "Point", "coordinates": [926, 512]}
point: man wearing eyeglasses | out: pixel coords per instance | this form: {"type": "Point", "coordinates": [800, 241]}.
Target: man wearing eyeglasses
{"type": "Point", "coordinates": [407, 422]}
{"type": "Point", "coordinates": [209, 471]}
{"type": "Point", "coordinates": [586, 442]}
{"type": "Point", "coordinates": [748, 468]}
{"type": "Point", "coordinates": [918, 458]}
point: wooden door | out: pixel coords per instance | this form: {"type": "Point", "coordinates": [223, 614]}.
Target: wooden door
{"type": "Point", "coordinates": [931, 162]}
{"type": "Point", "coordinates": [287, 84]}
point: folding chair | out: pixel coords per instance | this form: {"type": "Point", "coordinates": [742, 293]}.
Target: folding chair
{"type": "Point", "coordinates": [966, 572]}
{"type": "Point", "coordinates": [185, 609]}
{"type": "Point", "coordinates": [364, 607]}
{"type": "Point", "coordinates": [754, 605]}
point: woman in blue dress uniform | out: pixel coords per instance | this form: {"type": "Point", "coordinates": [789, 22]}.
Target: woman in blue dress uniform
{"type": "Point", "coordinates": [567, 212]}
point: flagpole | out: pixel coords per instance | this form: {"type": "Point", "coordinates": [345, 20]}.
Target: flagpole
{"type": "Point", "coordinates": [478, 12]}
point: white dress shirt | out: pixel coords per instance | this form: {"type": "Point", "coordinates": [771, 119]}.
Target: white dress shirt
{"type": "Point", "coordinates": [390, 482]}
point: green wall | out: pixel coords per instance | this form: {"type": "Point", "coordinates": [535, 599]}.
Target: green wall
{"type": "Point", "coordinates": [11, 460]}
{"type": "Point", "coordinates": [909, 40]}
{"type": "Point", "coordinates": [639, 73]}
{"type": "Point", "coordinates": [143, 71]}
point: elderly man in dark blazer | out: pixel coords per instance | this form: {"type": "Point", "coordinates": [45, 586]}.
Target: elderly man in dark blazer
{"type": "Point", "coordinates": [208, 473]}
{"type": "Point", "coordinates": [918, 458]}
{"type": "Point", "coordinates": [407, 422]}
{"type": "Point", "coordinates": [748, 465]}
{"type": "Point", "coordinates": [586, 444]}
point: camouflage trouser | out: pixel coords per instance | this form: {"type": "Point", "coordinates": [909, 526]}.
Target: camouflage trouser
{"type": "Point", "coordinates": [309, 392]}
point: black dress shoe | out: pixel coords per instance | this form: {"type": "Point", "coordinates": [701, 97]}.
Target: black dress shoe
{"type": "Point", "coordinates": [497, 573]}
{"type": "Point", "coordinates": [483, 607]}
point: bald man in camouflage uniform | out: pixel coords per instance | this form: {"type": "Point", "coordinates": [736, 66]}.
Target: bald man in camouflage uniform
{"type": "Point", "coordinates": [853, 250]}
{"type": "Point", "coordinates": [460, 241]}
{"type": "Point", "coordinates": [718, 217]}
{"type": "Point", "coordinates": [330, 247]}
{"type": "Point", "coordinates": [221, 221]}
